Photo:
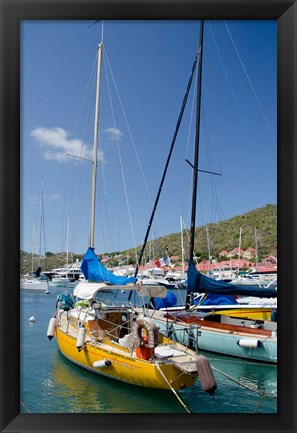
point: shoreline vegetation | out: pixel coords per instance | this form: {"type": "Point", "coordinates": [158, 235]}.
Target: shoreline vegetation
{"type": "Point", "coordinates": [223, 235]}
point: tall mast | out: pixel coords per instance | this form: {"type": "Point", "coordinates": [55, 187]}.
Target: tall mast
{"type": "Point", "coordinates": [96, 128]}
{"type": "Point", "coordinates": [196, 154]}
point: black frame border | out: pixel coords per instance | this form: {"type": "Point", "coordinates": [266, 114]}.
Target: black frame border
{"type": "Point", "coordinates": [11, 13]}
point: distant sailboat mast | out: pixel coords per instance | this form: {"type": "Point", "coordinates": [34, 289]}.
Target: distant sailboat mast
{"type": "Point", "coordinates": [182, 244]}
{"type": "Point", "coordinates": [33, 247]}
{"type": "Point", "coordinates": [41, 228]}
{"type": "Point", "coordinates": [239, 249]}
{"type": "Point", "coordinates": [257, 256]}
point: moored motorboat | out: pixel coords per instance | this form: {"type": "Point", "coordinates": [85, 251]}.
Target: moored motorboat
{"type": "Point", "coordinates": [249, 339]}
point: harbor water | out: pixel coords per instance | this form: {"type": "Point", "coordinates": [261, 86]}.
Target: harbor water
{"type": "Point", "coordinates": [49, 383]}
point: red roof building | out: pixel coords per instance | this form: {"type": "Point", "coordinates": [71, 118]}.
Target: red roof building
{"type": "Point", "coordinates": [249, 253]}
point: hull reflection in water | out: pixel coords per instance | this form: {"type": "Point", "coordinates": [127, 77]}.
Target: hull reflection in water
{"type": "Point", "coordinates": [71, 388]}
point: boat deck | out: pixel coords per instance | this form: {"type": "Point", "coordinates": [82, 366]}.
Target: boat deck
{"type": "Point", "coordinates": [168, 353]}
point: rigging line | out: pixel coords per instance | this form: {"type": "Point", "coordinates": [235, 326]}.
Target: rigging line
{"type": "Point", "coordinates": [184, 102]}
{"type": "Point", "coordinates": [207, 85]}
{"type": "Point", "coordinates": [187, 147]}
{"type": "Point", "coordinates": [120, 158]}
{"type": "Point", "coordinates": [85, 93]}
{"type": "Point", "coordinates": [129, 130]}
{"type": "Point", "coordinates": [249, 81]}
{"type": "Point", "coordinates": [27, 409]}
{"type": "Point", "coordinates": [209, 154]}
{"type": "Point", "coordinates": [79, 170]}
{"type": "Point", "coordinates": [220, 208]}
{"type": "Point", "coordinates": [232, 92]}
{"type": "Point", "coordinates": [103, 213]}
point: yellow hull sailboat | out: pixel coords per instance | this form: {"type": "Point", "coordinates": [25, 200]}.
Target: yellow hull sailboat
{"type": "Point", "coordinates": [118, 342]}
{"type": "Point", "coordinates": [115, 341]}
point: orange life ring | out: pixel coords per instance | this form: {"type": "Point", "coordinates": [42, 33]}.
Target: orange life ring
{"type": "Point", "coordinates": [152, 332]}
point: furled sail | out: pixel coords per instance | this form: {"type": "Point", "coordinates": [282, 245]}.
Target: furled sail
{"type": "Point", "coordinates": [198, 282]}
{"type": "Point", "coordinates": [95, 271]}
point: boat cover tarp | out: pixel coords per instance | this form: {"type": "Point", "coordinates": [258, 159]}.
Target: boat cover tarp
{"type": "Point", "coordinates": [198, 282]}
{"type": "Point", "coordinates": [213, 299]}
{"type": "Point", "coordinates": [169, 301]}
{"type": "Point", "coordinates": [94, 270]}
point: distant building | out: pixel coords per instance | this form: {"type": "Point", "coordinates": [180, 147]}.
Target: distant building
{"type": "Point", "coordinates": [235, 252]}
{"type": "Point", "coordinates": [249, 253]}
{"type": "Point", "coordinates": [104, 259]}
{"type": "Point", "coordinates": [269, 261]}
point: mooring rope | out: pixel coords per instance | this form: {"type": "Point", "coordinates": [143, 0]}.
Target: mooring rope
{"type": "Point", "coordinates": [27, 409]}
{"type": "Point", "coordinates": [250, 388]}
{"type": "Point", "coordinates": [173, 390]}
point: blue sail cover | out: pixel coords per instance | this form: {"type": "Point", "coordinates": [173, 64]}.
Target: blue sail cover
{"type": "Point", "coordinates": [95, 271]}
{"type": "Point", "coordinates": [200, 283]}
{"type": "Point", "coordinates": [213, 299]}
{"type": "Point", "coordinates": [169, 301]}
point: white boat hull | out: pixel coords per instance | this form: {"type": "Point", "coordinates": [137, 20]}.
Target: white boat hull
{"type": "Point", "coordinates": [34, 285]}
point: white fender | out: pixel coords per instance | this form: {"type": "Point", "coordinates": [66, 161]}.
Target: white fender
{"type": "Point", "coordinates": [249, 342]}
{"type": "Point", "coordinates": [51, 328]}
{"type": "Point", "coordinates": [101, 364]}
{"type": "Point", "coordinates": [81, 337]}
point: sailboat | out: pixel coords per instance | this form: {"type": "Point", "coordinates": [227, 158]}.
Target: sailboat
{"type": "Point", "coordinates": [67, 276]}
{"type": "Point", "coordinates": [116, 341]}
{"type": "Point", "coordinates": [210, 330]}
{"type": "Point", "coordinates": [34, 281]}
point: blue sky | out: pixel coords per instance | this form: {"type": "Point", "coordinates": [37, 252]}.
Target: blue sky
{"type": "Point", "coordinates": [150, 63]}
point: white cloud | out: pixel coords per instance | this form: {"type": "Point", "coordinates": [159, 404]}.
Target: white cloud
{"type": "Point", "coordinates": [56, 143]}
{"type": "Point", "coordinates": [114, 133]}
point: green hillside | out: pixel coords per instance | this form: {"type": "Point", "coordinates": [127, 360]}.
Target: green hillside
{"type": "Point", "coordinates": [225, 235]}
{"type": "Point", "coordinates": [222, 235]}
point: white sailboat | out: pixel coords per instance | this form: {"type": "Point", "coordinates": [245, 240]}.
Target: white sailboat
{"type": "Point", "coordinates": [68, 276]}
